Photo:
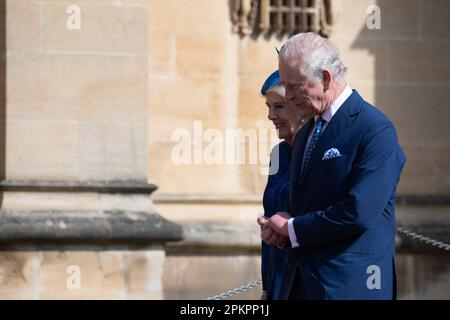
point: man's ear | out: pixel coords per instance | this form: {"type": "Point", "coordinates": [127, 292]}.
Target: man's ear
{"type": "Point", "coordinates": [326, 76]}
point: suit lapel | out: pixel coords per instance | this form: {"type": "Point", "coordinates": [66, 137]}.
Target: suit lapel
{"type": "Point", "coordinates": [339, 122]}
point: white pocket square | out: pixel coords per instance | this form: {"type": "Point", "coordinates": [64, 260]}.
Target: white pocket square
{"type": "Point", "coordinates": [331, 153]}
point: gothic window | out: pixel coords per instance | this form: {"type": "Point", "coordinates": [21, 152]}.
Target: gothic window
{"type": "Point", "coordinates": [281, 16]}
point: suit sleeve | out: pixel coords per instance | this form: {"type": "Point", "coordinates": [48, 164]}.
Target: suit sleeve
{"type": "Point", "coordinates": [371, 183]}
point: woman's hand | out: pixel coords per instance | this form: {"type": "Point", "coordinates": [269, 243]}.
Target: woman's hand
{"type": "Point", "coordinates": [262, 220]}
{"type": "Point", "coordinates": [269, 235]}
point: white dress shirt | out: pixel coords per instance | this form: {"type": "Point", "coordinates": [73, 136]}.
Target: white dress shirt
{"type": "Point", "coordinates": [327, 115]}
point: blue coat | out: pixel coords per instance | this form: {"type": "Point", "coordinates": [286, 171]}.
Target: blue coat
{"type": "Point", "coordinates": [274, 200]}
{"type": "Point", "coordinates": [344, 208]}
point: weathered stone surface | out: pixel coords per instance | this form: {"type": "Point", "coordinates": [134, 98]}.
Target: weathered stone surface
{"type": "Point", "coordinates": [83, 197]}
{"type": "Point", "coordinates": [435, 19]}
{"type": "Point", "coordinates": [419, 276]}
{"type": "Point", "coordinates": [78, 104]}
{"type": "Point", "coordinates": [104, 28]}
{"type": "Point", "coordinates": [23, 25]}
{"type": "Point", "coordinates": [100, 275]}
{"type": "Point", "coordinates": [144, 274]}
{"type": "Point", "coordinates": [84, 272]}
{"type": "Point", "coordinates": [124, 187]}
{"type": "Point", "coordinates": [245, 213]}
{"type": "Point", "coordinates": [19, 272]}
{"type": "Point", "coordinates": [423, 276]}
{"type": "Point", "coordinates": [398, 19]}
{"type": "Point", "coordinates": [25, 159]}
{"type": "Point", "coordinates": [77, 99]}
{"type": "Point", "coordinates": [202, 276]}
{"type": "Point", "coordinates": [404, 65]}
{"type": "Point", "coordinates": [217, 236]}
{"type": "Point", "coordinates": [109, 227]}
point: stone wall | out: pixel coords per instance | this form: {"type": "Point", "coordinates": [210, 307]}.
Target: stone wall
{"type": "Point", "coordinates": [80, 95]}
{"type": "Point", "coordinates": [100, 104]}
{"type": "Point", "coordinates": [34, 272]}
{"type": "Point", "coordinates": [201, 71]}
{"type": "Point", "coordinates": [74, 137]}
{"type": "Point", "coordinates": [400, 68]}
{"type": "Point", "coordinates": [403, 69]}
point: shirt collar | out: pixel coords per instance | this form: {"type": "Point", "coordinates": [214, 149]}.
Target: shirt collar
{"type": "Point", "coordinates": [331, 110]}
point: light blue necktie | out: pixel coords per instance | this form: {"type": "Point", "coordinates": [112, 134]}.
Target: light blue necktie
{"type": "Point", "coordinates": [313, 143]}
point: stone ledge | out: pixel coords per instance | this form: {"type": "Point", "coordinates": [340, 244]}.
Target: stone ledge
{"type": "Point", "coordinates": [255, 199]}
{"type": "Point", "coordinates": [217, 237]}
{"type": "Point", "coordinates": [225, 238]}
{"type": "Point", "coordinates": [109, 227]}
{"type": "Point", "coordinates": [135, 187]}
{"type": "Point", "coordinates": [423, 200]}
{"type": "Point", "coordinates": [205, 199]}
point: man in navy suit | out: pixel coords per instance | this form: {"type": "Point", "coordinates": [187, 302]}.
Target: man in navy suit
{"type": "Point", "coordinates": [340, 221]}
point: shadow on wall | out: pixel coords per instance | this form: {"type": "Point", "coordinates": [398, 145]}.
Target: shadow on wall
{"type": "Point", "coordinates": [423, 276]}
{"type": "Point", "coordinates": [411, 81]}
{"type": "Point", "coordinates": [412, 77]}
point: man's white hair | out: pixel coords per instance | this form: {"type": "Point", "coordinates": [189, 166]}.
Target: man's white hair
{"type": "Point", "coordinates": [316, 53]}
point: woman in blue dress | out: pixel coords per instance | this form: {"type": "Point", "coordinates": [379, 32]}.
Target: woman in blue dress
{"type": "Point", "coordinates": [288, 120]}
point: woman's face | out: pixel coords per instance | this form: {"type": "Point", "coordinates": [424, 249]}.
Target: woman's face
{"type": "Point", "coordinates": [285, 116]}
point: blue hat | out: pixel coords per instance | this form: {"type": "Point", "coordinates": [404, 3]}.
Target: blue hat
{"type": "Point", "coordinates": [271, 81]}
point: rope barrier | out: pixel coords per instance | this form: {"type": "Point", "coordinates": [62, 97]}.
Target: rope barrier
{"type": "Point", "coordinates": [427, 240]}
{"type": "Point", "coordinates": [233, 292]}
{"type": "Point", "coordinates": [414, 235]}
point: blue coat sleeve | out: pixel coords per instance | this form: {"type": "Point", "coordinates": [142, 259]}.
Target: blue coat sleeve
{"type": "Point", "coordinates": [371, 183]}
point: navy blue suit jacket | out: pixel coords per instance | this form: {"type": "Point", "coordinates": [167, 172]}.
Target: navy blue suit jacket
{"type": "Point", "coordinates": [344, 208]}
